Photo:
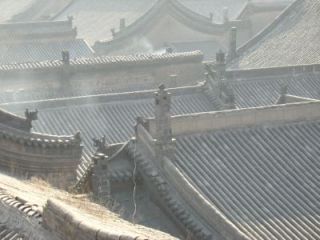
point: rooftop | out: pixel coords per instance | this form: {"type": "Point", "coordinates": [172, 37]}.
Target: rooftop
{"type": "Point", "coordinates": [34, 194]}
{"type": "Point", "coordinates": [262, 179]}
{"type": "Point", "coordinates": [40, 41]}
{"type": "Point", "coordinates": [112, 115]}
{"type": "Point", "coordinates": [288, 41]}
{"type": "Point", "coordinates": [91, 16]}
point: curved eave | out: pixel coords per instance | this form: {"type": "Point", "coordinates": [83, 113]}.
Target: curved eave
{"type": "Point", "coordinates": [38, 139]}
{"type": "Point", "coordinates": [175, 9]}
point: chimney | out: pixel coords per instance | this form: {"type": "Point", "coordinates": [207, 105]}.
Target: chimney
{"type": "Point", "coordinates": [232, 51]}
{"type": "Point", "coordinates": [162, 116]}
{"type": "Point", "coordinates": [66, 57]}
{"type": "Point", "coordinates": [225, 15]}
{"type": "Point", "coordinates": [122, 23]}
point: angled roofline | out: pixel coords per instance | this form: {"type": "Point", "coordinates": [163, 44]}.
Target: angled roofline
{"type": "Point", "coordinates": [14, 121]}
{"type": "Point", "coordinates": [259, 36]}
{"type": "Point", "coordinates": [179, 11]}
{"type": "Point", "coordinates": [37, 139]}
{"type": "Point", "coordinates": [103, 62]}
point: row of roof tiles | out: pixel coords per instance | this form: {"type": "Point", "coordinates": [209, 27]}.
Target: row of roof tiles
{"type": "Point", "coordinates": [109, 60]}
{"type": "Point", "coordinates": [262, 179]}
{"type": "Point", "coordinates": [289, 40]}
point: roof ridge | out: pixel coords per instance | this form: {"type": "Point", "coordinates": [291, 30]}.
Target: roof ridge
{"type": "Point", "coordinates": [102, 98]}
{"type": "Point", "coordinates": [21, 137]}
{"type": "Point", "coordinates": [259, 36]}
{"type": "Point", "coordinates": [104, 60]}
{"type": "Point", "coordinates": [192, 17]}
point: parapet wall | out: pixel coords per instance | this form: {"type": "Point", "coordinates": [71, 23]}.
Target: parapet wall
{"type": "Point", "coordinates": [202, 122]}
{"type": "Point", "coordinates": [68, 225]}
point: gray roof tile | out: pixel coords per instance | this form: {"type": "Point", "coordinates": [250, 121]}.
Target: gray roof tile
{"type": "Point", "coordinates": [205, 7]}
{"type": "Point", "coordinates": [113, 118]}
{"type": "Point", "coordinates": [31, 51]}
{"type": "Point", "coordinates": [95, 18]}
{"type": "Point", "coordinates": [292, 39]}
{"type": "Point", "coordinates": [11, 8]}
{"type": "Point", "coordinates": [265, 180]}
{"type": "Point", "coordinates": [262, 91]}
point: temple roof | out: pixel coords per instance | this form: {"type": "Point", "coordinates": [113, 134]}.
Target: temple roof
{"type": "Point", "coordinates": [40, 41]}
{"type": "Point", "coordinates": [91, 16]}
{"type": "Point", "coordinates": [292, 39]}
{"type": "Point", "coordinates": [112, 115]}
{"type": "Point", "coordinates": [32, 51]}
{"type": "Point", "coordinates": [263, 179]}
{"type": "Point", "coordinates": [9, 9]}
{"type": "Point", "coordinates": [103, 61]}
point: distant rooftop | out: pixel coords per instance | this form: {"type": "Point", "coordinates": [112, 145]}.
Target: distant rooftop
{"type": "Point", "coordinates": [96, 18]}
{"type": "Point", "coordinates": [292, 39]}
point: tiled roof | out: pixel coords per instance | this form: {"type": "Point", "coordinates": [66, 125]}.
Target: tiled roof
{"type": "Point", "coordinates": [8, 231]}
{"type": "Point", "coordinates": [264, 179]}
{"type": "Point", "coordinates": [261, 91]}
{"type": "Point", "coordinates": [105, 60]}
{"type": "Point", "coordinates": [97, 116]}
{"type": "Point", "coordinates": [205, 7]}
{"type": "Point", "coordinates": [91, 17]}
{"type": "Point", "coordinates": [11, 8]}
{"type": "Point", "coordinates": [292, 39]}
{"type": "Point", "coordinates": [95, 18]}
{"type": "Point", "coordinates": [210, 48]}
{"type": "Point", "coordinates": [33, 51]}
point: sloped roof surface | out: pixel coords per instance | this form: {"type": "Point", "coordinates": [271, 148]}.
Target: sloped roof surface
{"type": "Point", "coordinates": [205, 7]}
{"type": "Point", "coordinates": [42, 51]}
{"type": "Point", "coordinates": [114, 119]}
{"type": "Point", "coordinates": [262, 91]}
{"type": "Point", "coordinates": [265, 180]}
{"type": "Point", "coordinates": [11, 8]}
{"type": "Point", "coordinates": [95, 18]}
{"type": "Point", "coordinates": [292, 39]}
{"type": "Point", "coordinates": [21, 52]}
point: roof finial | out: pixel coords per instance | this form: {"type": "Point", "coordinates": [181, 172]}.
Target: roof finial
{"type": "Point", "coordinates": [31, 116]}
{"type": "Point", "coordinates": [162, 115]}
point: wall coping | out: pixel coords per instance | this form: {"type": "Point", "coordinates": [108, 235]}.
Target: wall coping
{"type": "Point", "coordinates": [209, 121]}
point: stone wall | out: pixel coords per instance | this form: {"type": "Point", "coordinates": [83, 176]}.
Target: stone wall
{"type": "Point", "coordinates": [201, 122]}
{"type": "Point", "coordinates": [69, 225]}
